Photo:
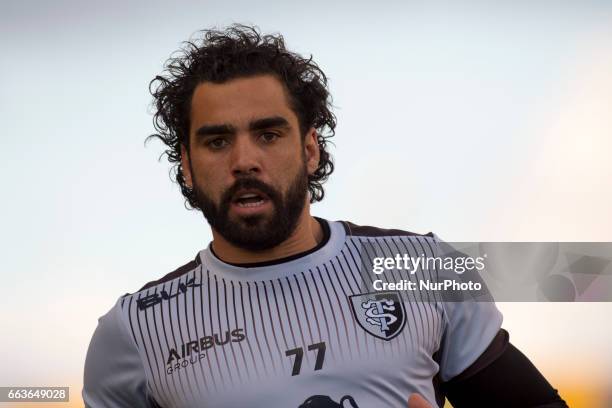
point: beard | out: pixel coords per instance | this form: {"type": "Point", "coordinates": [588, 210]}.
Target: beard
{"type": "Point", "coordinates": [257, 232]}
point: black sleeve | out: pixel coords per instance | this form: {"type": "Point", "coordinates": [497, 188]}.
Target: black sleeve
{"type": "Point", "coordinates": [502, 377]}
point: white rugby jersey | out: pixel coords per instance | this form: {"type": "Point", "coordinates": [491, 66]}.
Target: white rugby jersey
{"type": "Point", "coordinates": [306, 331]}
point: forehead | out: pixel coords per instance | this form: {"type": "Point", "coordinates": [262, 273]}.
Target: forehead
{"type": "Point", "coordinates": [239, 101]}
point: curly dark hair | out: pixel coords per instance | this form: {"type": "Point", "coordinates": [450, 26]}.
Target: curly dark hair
{"type": "Point", "coordinates": [236, 52]}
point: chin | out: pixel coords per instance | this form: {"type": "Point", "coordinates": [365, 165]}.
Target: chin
{"type": "Point", "coordinates": [252, 221]}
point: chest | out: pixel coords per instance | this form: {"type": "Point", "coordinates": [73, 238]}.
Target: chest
{"type": "Point", "coordinates": [209, 341]}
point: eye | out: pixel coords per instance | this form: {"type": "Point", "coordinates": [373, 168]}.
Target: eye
{"type": "Point", "coordinates": [217, 143]}
{"type": "Point", "coordinates": [268, 137]}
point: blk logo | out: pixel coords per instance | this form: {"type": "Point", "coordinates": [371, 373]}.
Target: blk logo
{"type": "Point", "coordinates": [156, 298]}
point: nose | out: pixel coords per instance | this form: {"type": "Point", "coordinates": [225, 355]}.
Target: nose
{"type": "Point", "coordinates": [244, 157]}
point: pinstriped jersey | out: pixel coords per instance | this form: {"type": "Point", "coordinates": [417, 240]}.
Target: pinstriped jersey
{"type": "Point", "coordinates": [305, 331]}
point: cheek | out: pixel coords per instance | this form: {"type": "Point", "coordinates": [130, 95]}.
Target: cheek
{"type": "Point", "coordinates": [209, 182]}
{"type": "Point", "coordinates": [292, 168]}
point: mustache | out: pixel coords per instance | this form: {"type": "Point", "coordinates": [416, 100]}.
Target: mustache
{"type": "Point", "coordinates": [249, 183]}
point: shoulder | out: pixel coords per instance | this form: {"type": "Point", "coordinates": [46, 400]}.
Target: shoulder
{"type": "Point", "coordinates": [353, 230]}
{"type": "Point", "coordinates": [113, 373]}
{"type": "Point", "coordinates": [175, 274]}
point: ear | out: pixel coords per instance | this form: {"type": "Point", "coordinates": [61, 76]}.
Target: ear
{"type": "Point", "coordinates": [311, 150]}
{"type": "Point", "coordinates": [185, 166]}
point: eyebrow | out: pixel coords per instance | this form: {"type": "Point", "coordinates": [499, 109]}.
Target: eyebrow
{"type": "Point", "coordinates": [258, 124]}
{"type": "Point", "coordinates": [266, 123]}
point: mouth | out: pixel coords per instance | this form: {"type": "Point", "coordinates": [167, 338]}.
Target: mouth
{"type": "Point", "coordinates": [250, 198]}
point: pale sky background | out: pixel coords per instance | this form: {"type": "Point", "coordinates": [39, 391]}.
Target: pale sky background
{"type": "Point", "coordinates": [475, 120]}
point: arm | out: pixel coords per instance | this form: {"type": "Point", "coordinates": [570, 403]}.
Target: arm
{"type": "Point", "coordinates": [478, 365]}
{"type": "Point", "coordinates": [114, 373]}
{"type": "Point", "coordinates": [502, 377]}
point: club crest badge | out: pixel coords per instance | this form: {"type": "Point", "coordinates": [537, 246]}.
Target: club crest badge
{"type": "Point", "coordinates": [381, 314]}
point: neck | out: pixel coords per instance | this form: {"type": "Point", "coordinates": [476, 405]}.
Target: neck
{"type": "Point", "coordinates": [306, 236]}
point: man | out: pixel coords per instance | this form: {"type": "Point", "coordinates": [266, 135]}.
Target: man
{"type": "Point", "coordinates": [279, 310]}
